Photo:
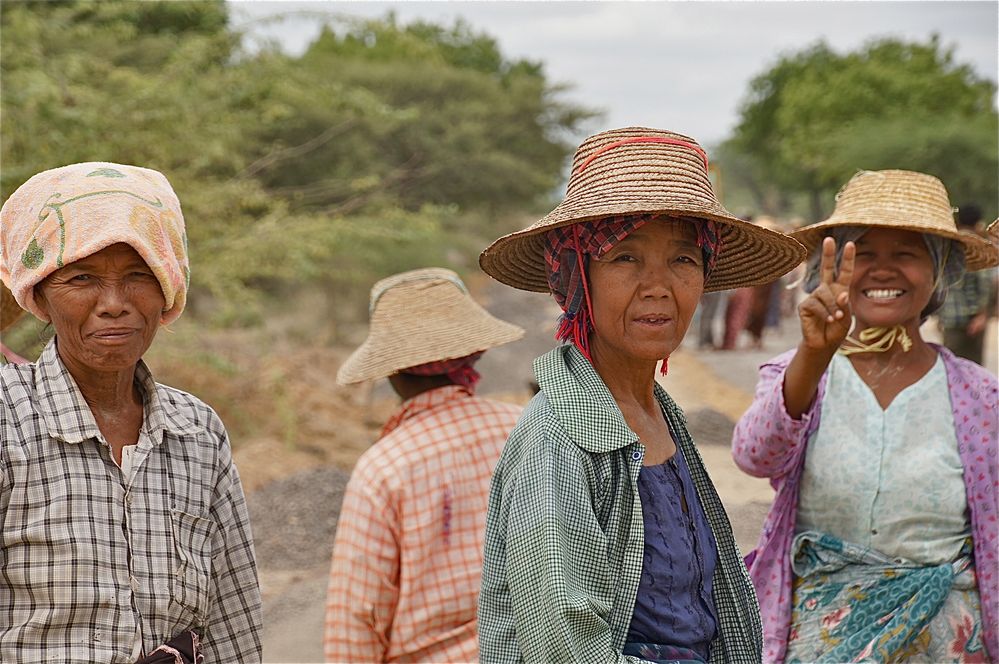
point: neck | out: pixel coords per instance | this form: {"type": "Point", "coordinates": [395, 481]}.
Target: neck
{"type": "Point", "coordinates": [919, 349]}
{"type": "Point", "coordinates": [106, 392]}
{"type": "Point", "coordinates": [629, 379]}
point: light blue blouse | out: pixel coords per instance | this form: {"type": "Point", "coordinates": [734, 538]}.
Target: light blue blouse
{"type": "Point", "coordinates": [889, 479]}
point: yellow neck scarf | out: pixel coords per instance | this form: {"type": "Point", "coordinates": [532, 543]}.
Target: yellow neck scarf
{"type": "Point", "coordinates": [876, 340]}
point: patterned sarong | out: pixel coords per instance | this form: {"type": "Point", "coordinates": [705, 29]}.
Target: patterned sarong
{"type": "Point", "coordinates": [853, 604]}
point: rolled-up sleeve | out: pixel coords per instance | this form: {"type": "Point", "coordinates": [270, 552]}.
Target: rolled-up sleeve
{"type": "Point", "coordinates": [767, 439]}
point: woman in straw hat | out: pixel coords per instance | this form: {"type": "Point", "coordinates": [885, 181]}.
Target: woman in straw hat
{"type": "Point", "coordinates": [408, 552]}
{"type": "Point", "coordinates": [870, 549]}
{"type": "Point", "coordinates": [124, 535]}
{"type": "Point", "coordinates": [605, 539]}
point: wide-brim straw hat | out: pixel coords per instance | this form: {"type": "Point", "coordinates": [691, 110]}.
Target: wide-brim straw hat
{"type": "Point", "coordinates": [422, 316]}
{"type": "Point", "coordinates": [905, 200]}
{"type": "Point", "coordinates": [9, 309]}
{"type": "Point", "coordinates": [636, 171]}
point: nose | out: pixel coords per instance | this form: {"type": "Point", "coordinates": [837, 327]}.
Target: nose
{"type": "Point", "coordinates": [656, 280]}
{"type": "Point", "coordinates": [112, 301]}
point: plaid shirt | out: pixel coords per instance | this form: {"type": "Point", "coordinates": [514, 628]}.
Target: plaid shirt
{"type": "Point", "coordinates": [88, 555]}
{"type": "Point", "coordinates": [565, 537]}
{"type": "Point", "coordinates": [407, 559]}
{"type": "Point", "coordinates": [968, 298]}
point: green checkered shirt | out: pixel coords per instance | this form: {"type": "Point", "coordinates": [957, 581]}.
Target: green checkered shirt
{"type": "Point", "coordinates": [565, 536]}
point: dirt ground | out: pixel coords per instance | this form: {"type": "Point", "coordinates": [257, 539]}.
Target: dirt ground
{"type": "Point", "coordinates": [295, 494]}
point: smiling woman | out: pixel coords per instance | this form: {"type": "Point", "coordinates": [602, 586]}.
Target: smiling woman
{"type": "Point", "coordinates": [123, 488]}
{"type": "Point", "coordinates": [605, 538]}
{"type": "Point", "coordinates": [881, 446]}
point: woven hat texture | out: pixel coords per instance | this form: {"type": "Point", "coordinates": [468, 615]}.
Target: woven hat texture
{"type": "Point", "coordinates": [640, 170]}
{"type": "Point", "coordinates": [422, 316]}
{"type": "Point", "coordinates": [905, 200]}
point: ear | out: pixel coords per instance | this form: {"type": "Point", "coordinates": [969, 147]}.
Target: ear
{"type": "Point", "coordinates": [40, 301]}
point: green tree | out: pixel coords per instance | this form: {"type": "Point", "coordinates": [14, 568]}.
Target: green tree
{"type": "Point", "coordinates": [816, 117]}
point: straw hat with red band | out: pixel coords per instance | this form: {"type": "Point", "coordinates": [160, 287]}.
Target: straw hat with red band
{"type": "Point", "coordinates": [640, 171]}
{"type": "Point", "coordinates": [906, 200]}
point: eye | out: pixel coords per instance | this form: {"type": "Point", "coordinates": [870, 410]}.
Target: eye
{"type": "Point", "coordinates": [80, 278]}
{"type": "Point", "coordinates": [623, 258]}
{"type": "Point", "coordinates": [687, 259]}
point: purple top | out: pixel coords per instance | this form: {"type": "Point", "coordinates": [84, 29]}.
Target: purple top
{"type": "Point", "coordinates": [674, 606]}
{"type": "Point", "coordinates": [768, 443]}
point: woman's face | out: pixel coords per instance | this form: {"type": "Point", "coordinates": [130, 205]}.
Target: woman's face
{"type": "Point", "coordinates": [105, 308]}
{"type": "Point", "coordinates": [644, 292]}
{"type": "Point", "coordinates": [892, 278]}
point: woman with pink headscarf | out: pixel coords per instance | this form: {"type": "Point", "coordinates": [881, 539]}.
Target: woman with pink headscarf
{"type": "Point", "coordinates": [124, 535]}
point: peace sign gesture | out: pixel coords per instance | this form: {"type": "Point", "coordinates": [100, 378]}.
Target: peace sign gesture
{"type": "Point", "coordinates": [825, 314]}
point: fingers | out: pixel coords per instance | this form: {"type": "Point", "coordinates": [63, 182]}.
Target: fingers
{"type": "Point", "coordinates": [827, 266]}
{"type": "Point", "coordinates": [846, 263]}
{"type": "Point", "coordinates": [826, 304]}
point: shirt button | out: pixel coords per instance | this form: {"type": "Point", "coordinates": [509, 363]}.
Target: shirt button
{"type": "Point", "coordinates": [636, 455]}
{"type": "Point", "coordinates": [874, 531]}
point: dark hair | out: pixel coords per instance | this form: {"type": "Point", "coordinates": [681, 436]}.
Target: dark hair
{"type": "Point", "coordinates": [968, 215]}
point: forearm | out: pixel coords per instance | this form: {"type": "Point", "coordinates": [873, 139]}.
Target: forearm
{"type": "Point", "coordinates": [802, 377]}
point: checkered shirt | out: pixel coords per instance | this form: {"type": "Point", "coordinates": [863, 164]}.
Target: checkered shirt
{"type": "Point", "coordinates": [565, 537]}
{"type": "Point", "coordinates": [407, 558]}
{"type": "Point", "coordinates": [88, 555]}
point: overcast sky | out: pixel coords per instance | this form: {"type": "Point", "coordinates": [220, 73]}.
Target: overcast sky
{"type": "Point", "coordinates": [683, 66]}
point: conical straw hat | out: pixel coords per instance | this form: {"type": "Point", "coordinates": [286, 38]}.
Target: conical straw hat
{"type": "Point", "coordinates": [422, 316]}
{"type": "Point", "coordinates": [639, 170]}
{"type": "Point", "coordinates": [9, 310]}
{"type": "Point", "coordinates": [905, 200]}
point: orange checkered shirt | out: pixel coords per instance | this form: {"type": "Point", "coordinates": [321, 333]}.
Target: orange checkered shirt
{"type": "Point", "coordinates": [407, 558]}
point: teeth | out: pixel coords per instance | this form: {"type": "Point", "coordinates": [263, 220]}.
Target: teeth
{"type": "Point", "coordinates": [883, 293]}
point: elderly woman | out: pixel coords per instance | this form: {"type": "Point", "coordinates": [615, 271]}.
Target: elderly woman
{"type": "Point", "coordinates": [881, 446]}
{"type": "Point", "coordinates": [605, 539]}
{"type": "Point", "coordinates": [124, 534]}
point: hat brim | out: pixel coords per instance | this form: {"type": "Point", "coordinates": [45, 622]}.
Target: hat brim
{"type": "Point", "coordinates": [979, 253]}
{"type": "Point", "coordinates": [750, 255]}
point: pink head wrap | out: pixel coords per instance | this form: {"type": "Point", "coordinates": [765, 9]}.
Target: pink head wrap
{"type": "Point", "coordinates": [65, 214]}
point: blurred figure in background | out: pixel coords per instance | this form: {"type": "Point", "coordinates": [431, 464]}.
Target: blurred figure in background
{"type": "Point", "coordinates": [407, 558]}
{"type": "Point", "coordinates": [964, 315]}
{"type": "Point", "coordinates": [9, 313]}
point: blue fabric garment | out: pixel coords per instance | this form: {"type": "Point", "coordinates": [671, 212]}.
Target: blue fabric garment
{"type": "Point", "coordinates": [674, 606]}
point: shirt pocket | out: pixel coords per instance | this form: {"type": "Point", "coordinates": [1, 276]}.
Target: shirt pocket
{"type": "Point", "coordinates": [192, 544]}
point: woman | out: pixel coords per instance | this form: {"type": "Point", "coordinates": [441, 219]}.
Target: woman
{"type": "Point", "coordinates": [881, 446]}
{"type": "Point", "coordinates": [124, 534]}
{"type": "Point", "coordinates": [605, 539]}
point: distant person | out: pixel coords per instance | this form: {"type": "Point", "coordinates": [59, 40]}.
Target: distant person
{"type": "Point", "coordinates": [881, 543]}
{"type": "Point", "coordinates": [711, 304]}
{"type": "Point", "coordinates": [964, 315]}
{"type": "Point", "coordinates": [407, 557]}
{"type": "Point", "coordinates": [124, 535]}
{"type": "Point", "coordinates": [606, 540]}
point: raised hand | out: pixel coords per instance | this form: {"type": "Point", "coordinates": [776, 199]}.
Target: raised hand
{"type": "Point", "coordinates": [825, 314]}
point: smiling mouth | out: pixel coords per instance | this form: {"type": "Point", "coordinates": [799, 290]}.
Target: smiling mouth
{"type": "Point", "coordinates": [654, 320]}
{"type": "Point", "coordinates": [883, 293]}
{"type": "Point", "coordinates": [112, 335]}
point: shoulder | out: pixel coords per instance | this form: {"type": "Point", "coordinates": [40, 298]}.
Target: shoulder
{"type": "Point", "coordinates": [780, 361]}
{"type": "Point", "coordinates": [188, 413]}
{"type": "Point", "coordinates": [964, 374]}
{"type": "Point", "coordinates": [539, 441]}
{"type": "Point", "coordinates": [17, 382]}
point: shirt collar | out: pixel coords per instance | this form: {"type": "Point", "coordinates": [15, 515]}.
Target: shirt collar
{"type": "Point", "coordinates": [422, 402]}
{"type": "Point", "coordinates": [68, 417]}
{"type": "Point", "coordinates": [583, 404]}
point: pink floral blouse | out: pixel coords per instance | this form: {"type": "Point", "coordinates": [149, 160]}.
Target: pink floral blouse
{"type": "Point", "coordinates": [768, 443]}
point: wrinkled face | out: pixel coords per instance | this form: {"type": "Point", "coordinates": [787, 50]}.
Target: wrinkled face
{"type": "Point", "coordinates": [645, 290]}
{"type": "Point", "coordinates": [892, 278]}
{"type": "Point", "coordinates": [105, 308]}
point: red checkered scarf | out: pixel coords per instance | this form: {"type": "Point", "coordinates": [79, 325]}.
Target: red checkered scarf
{"type": "Point", "coordinates": [567, 253]}
{"type": "Point", "coordinates": [459, 370]}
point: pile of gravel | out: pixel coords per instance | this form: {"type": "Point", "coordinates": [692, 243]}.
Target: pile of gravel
{"type": "Point", "coordinates": [709, 427]}
{"type": "Point", "coordinates": [294, 518]}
